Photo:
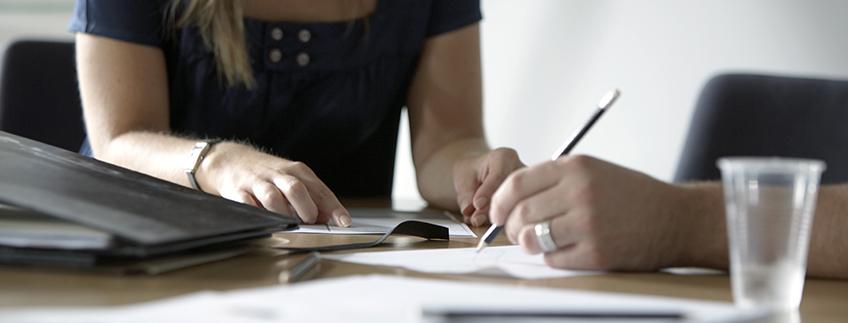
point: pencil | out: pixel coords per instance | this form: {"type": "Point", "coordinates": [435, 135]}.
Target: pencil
{"type": "Point", "coordinates": [606, 102]}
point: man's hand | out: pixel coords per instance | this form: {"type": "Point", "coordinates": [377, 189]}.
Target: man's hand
{"type": "Point", "coordinates": [603, 216]}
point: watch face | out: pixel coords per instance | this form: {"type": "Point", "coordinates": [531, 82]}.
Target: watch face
{"type": "Point", "coordinates": [196, 156]}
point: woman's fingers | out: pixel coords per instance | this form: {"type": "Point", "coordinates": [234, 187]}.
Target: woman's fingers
{"type": "Point", "coordinates": [278, 185]}
{"type": "Point", "coordinates": [494, 176]}
{"type": "Point", "coordinates": [240, 196]}
{"type": "Point", "coordinates": [498, 164]}
{"type": "Point", "coordinates": [465, 183]}
{"type": "Point", "coordinates": [298, 195]}
{"type": "Point", "coordinates": [476, 180]}
{"type": "Point", "coordinates": [479, 218]}
{"type": "Point", "coordinates": [328, 205]}
{"type": "Point", "coordinates": [270, 197]}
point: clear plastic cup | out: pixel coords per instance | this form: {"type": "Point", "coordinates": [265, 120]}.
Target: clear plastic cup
{"type": "Point", "coordinates": [770, 204]}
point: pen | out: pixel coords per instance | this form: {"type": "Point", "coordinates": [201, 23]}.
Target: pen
{"type": "Point", "coordinates": [606, 101]}
{"type": "Point", "coordinates": [556, 315]}
{"type": "Point", "coordinates": [297, 272]}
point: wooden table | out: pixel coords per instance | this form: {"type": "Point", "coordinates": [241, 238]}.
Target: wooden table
{"type": "Point", "coordinates": [824, 300]}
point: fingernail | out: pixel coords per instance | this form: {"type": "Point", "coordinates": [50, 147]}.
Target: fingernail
{"type": "Point", "coordinates": [468, 210]}
{"type": "Point", "coordinates": [480, 202]}
{"type": "Point", "coordinates": [344, 220]}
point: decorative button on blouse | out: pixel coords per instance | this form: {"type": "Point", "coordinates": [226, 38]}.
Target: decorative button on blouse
{"type": "Point", "coordinates": [275, 55]}
{"type": "Point", "coordinates": [276, 33]}
{"type": "Point", "coordinates": [302, 59]}
{"type": "Point", "coordinates": [304, 35]}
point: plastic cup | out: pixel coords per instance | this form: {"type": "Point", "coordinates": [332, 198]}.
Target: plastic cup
{"type": "Point", "coordinates": [770, 205]}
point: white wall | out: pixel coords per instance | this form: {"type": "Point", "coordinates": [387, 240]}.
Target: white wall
{"type": "Point", "coordinates": [547, 62]}
{"type": "Point", "coordinates": [34, 18]}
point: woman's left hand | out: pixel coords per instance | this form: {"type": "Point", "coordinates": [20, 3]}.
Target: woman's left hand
{"type": "Point", "coordinates": [477, 178]}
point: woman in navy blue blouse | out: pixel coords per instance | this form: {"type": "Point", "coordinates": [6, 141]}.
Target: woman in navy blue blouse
{"type": "Point", "coordinates": [298, 101]}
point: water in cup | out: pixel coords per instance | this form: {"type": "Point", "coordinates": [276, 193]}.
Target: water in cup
{"type": "Point", "coordinates": [772, 285]}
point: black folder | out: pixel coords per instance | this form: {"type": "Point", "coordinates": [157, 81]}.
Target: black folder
{"type": "Point", "coordinates": [143, 216]}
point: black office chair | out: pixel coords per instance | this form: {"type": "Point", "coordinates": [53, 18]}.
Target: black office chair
{"type": "Point", "coordinates": [39, 98]}
{"type": "Point", "coordinates": [758, 115]}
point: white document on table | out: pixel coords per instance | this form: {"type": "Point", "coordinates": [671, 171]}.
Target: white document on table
{"type": "Point", "coordinates": [380, 221]}
{"type": "Point", "coordinates": [502, 261]}
{"type": "Point", "coordinates": [376, 298]}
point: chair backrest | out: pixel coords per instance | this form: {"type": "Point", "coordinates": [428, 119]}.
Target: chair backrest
{"type": "Point", "coordinates": [39, 98]}
{"type": "Point", "coordinates": [758, 115]}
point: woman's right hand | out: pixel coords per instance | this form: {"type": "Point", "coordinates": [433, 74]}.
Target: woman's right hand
{"type": "Point", "coordinates": [130, 126]}
{"type": "Point", "coordinates": [243, 174]}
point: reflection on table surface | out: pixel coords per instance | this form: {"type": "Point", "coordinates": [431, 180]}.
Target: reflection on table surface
{"type": "Point", "coordinates": [824, 300]}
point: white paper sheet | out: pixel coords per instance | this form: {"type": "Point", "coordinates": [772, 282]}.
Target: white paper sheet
{"type": "Point", "coordinates": [503, 261]}
{"type": "Point", "coordinates": [372, 299]}
{"type": "Point", "coordinates": [379, 221]}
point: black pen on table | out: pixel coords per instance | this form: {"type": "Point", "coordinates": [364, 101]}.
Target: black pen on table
{"type": "Point", "coordinates": [459, 315]}
{"type": "Point", "coordinates": [605, 103]}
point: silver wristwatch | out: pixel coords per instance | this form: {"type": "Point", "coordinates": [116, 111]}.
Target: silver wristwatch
{"type": "Point", "coordinates": [198, 152]}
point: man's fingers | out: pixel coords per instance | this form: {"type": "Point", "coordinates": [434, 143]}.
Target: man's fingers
{"type": "Point", "coordinates": [298, 195]}
{"type": "Point", "coordinates": [581, 256]}
{"type": "Point", "coordinates": [519, 186]}
{"type": "Point", "coordinates": [537, 208]}
{"type": "Point", "coordinates": [565, 231]}
{"type": "Point", "coordinates": [565, 258]}
{"type": "Point", "coordinates": [526, 237]}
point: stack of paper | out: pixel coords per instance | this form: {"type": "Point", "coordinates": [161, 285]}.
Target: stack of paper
{"type": "Point", "coordinates": [501, 261]}
{"type": "Point", "coordinates": [379, 221]}
{"type": "Point", "coordinates": [505, 261]}
{"type": "Point", "coordinates": [374, 299]}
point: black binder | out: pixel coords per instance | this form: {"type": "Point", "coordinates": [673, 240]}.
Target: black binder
{"type": "Point", "coordinates": [143, 216]}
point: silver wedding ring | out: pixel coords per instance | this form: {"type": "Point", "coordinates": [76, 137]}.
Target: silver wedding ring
{"type": "Point", "coordinates": [543, 236]}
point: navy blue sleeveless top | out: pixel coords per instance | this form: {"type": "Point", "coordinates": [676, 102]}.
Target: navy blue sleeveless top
{"type": "Point", "coordinates": [327, 94]}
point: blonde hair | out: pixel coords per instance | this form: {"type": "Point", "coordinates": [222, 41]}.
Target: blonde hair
{"type": "Point", "coordinates": [221, 25]}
